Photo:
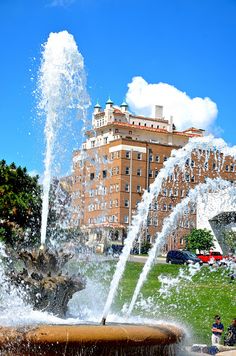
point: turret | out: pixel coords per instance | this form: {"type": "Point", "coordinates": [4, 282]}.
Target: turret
{"type": "Point", "coordinates": [97, 109]}
{"type": "Point", "coordinates": [109, 104]}
{"type": "Point", "coordinates": [124, 106]}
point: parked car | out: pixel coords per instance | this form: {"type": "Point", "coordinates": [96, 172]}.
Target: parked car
{"type": "Point", "coordinates": [182, 257]}
{"type": "Point", "coordinates": [212, 255]}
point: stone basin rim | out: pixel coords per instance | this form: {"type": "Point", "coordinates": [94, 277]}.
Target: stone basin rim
{"type": "Point", "coordinates": [88, 334]}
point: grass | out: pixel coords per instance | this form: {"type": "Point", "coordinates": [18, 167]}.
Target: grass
{"type": "Point", "coordinates": [193, 303]}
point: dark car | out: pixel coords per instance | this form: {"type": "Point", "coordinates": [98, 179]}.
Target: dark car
{"type": "Point", "coordinates": [182, 257]}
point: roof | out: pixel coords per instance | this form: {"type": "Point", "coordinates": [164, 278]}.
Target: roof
{"type": "Point", "coordinates": [193, 129]}
{"type": "Point", "coordinates": [97, 106]}
{"type": "Point", "coordinates": [109, 101]}
{"type": "Point", "coordinates": [179, 133]}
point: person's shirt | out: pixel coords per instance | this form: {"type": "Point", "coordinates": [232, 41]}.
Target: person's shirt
{"type": "Point", "coordinates": [218, 326]}
{"type": "Point", "coordinates": [230, 338]}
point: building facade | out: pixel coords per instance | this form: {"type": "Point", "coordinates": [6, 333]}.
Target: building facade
{"type": "Point", "coordinates": [121, 157]}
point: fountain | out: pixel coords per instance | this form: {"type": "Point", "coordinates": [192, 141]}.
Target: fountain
{"type": "Point", "coordinates": [62, 92]}
{"type": "Point", "coordinates": [41, 282]}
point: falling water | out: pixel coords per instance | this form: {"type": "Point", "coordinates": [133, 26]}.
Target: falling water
{"type": "Point", "coordinates": [62, 93]}
{"type": "Point", "coordinates": [170, 224]}
{"type": "Point", "coordinates": [178, 158]}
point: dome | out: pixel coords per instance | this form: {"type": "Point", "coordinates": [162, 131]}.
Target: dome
{"type": "Point", "coordinates": [109, 101]}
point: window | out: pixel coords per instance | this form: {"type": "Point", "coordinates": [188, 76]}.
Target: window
{"type": "Point", "coordinates": [139, 172]}
{"type": "Point", "coordinates": [214, 166]}
{"type": "Point", "coordinates": [127, 154]}
{"type": "Point", "coordinates": [137, 202]}
{"type": "Point", "coordinates": [139, 188]}
{"type": "Point", "coordinates": [187, 177]}
{"type": "Point", "coordinates": [150, 173]}
{"type": "Point", "coordinates": [206, 165]}
{"type": "Point", "coordinates": [170, 206]}
{"type": "Point", "coordinates": [157, 158]}
{"type": "Point", "coordinates": [164, 192]}
{"type": "Point", "coordinates": [176, 192]}
{"type": "Point", "coordinates": [150, 157]}
{"type": "Point", "coordinates": [116, 130]}
{"type": "Point", "coordinates": [110, 203]}
{"type": "Point", "coordinates": [105, 140]}
{"type": "Point", "coordinates": [156, 173]}
{"type": "Point", "coordinates": [117, 170]}
{"type": "Point", "coordinates": [164, 207]}
{"type": "Point", "coordinates": [227, 168]}
{"type": "Point", "coordinates": [93, 143]}
{"type": "Point", "coordinates": [111, 188]}
{"type": "Point", "coordinates": [91, 176]}
{"type": "Point", "coordinates": [192, 179]}
{"type": "Point", "coordinates": [127, 170]}
{"type": "Point", "coordinates": [139, 156]}
{"type": "Point", "coordinates": [126, 219]}
{"type": "Point", "coordinates": [130, 132]}
{"type": "Point", "coordinates": [105, 157]}
{"type": "Point", "coordinates": [126, 203]}
{"type": "Point", "coordinates": [232, 168]}
{"type": "Point", "coordinates": [170, 193]}
{"type": "Point", "coordinates": [117, 187]}
{"type": "Point", "coordinates": [127, 187]}
{"type": "Point", "coordinates": [182, 193]}
{"type": "Point", "coordinates": [164, 158]}
{"type": "Point", "coordinates": [104, 173]}
{"type": "Point", "coordinates": [192, 163]}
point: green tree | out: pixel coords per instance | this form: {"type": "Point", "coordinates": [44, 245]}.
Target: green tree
{"type": "Point", "coordinates": [20, 204]}
{"type": "Point", "coordinates": [199, 239]}
{"type": "Point", "coordinates": [230, 240]}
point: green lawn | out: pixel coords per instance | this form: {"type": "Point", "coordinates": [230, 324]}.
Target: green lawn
{"type": "Point", "coordinates": [193, 303]}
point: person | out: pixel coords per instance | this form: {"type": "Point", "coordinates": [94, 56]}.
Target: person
{"type": "Point", "coordinates": [217, 330]}
{"type": "Point", "coordinates": [230, 337]}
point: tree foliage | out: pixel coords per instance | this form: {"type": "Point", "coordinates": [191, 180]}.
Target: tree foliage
{"type": "Point", "coordinates": [20, 204]}
{"type": "Point", "coordinates": [230, 240]}
{"type": "Point", "coordinates": [199, 239]}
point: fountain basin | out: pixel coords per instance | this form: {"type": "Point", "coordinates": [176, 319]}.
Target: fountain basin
{"type": "Point", "coordinates": [108, 340]}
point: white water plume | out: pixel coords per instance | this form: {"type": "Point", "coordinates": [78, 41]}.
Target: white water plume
{"type": "Point", "coordinates": [62, 93]}
{"type": "Point", "coordinates": [178, 158]}
{"type": "Point", "coordinates": [167, 283]}
{"type": "Point", "coordinates": [170, 224]}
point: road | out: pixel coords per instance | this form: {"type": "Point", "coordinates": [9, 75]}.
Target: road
{"type": "Point", "coordinates": [143, 259]}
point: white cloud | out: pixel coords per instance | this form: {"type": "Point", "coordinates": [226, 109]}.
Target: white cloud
{"type": "Point", "coordinates": [198, 112]}
{"type": "Point", "coordinates": [62, 3]}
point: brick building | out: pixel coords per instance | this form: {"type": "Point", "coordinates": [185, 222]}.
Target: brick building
{"type": "Point", "coordinates": [121, 157]}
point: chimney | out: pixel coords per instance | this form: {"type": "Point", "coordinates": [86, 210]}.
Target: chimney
{"type": "Point", "coordinates": [158, 112]}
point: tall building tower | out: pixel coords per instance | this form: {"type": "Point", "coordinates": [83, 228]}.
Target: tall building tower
{"type": "Point", "coordinates": [122, 155]}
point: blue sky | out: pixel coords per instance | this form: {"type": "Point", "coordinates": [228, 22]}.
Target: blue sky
{"type": "Point", "coordinates": [188, 44]}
